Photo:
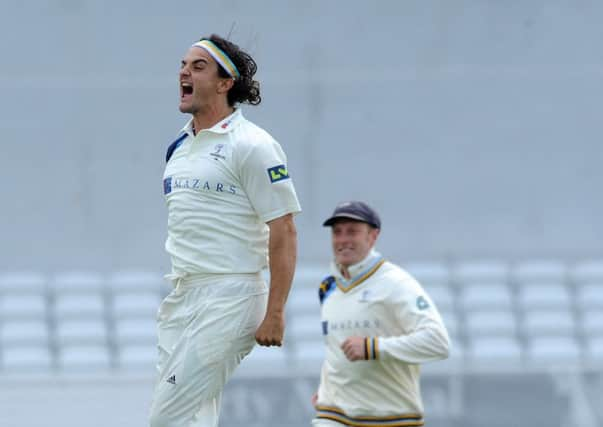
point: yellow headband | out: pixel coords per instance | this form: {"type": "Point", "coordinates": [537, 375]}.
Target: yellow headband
{"type": "Point", "coordinates": [220, 57]}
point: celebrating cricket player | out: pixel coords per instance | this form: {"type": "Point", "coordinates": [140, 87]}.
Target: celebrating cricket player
{"type": "Point", "coordinates": [231, 204]}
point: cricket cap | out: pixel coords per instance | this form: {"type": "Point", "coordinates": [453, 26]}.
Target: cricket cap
{"type": "Point", "coordinates": [358, 211]}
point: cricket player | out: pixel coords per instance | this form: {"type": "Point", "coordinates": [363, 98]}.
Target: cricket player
{"type": "Point", "coordinates": [230, 203]}
{"type": "Point", "coordinates": [379, 326]}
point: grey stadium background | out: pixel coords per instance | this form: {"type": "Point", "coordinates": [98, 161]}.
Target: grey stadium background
{"type": "Point", "coordinates": [472, 126]}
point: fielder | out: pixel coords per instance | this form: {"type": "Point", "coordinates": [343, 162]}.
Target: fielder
{"type": "Point", "coordinates": [230, 204]}
{"type": "Point", "coordinates": [379, 325]}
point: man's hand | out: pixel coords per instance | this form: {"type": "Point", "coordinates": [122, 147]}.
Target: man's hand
{"type": "Point", "coordinates": [315, 399]}
{"type": "Point", "coordinates": [354, 348]}
{"type": "Point", "coordinates": [271, 330]}
{"type": "Point", "coordinates": [282, 250]}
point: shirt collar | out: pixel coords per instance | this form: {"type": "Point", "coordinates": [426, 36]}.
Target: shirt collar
{"type": "Point", "coordinates": [356, 269]}
{"type": "Point", "coordinates": [223, 126]}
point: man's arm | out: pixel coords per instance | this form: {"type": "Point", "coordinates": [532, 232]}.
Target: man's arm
{"type": "Point", "coordinates": [420, 346]}
{"type": "Point", "coordinates": [282, 252]}
{"type": "Point", "coordinates": [426, 340]}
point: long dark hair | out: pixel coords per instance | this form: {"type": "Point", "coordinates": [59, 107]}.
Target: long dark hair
{"type": "Point", "coordinates": [245, 88]}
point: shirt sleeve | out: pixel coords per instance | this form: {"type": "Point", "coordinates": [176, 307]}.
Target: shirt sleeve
{"type": "Point", "coordinates": [425, 338]}
{"type": "Point", "coordinates": [266, 180]}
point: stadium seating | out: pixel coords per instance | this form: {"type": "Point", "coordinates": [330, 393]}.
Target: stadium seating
{"type": "Point", "coordinates": [306, 326]}
{"type": "Point", "coordinates": [485, 296]}
{"type": "Point", "coordinates": [267, 360]}
{"type": "Point", "coordinates": [594, 349]}
{"type": "Point", "coordinates": [78, 282]}
{"type": "Point", "coordinates": [492, 271]}
{"type": "Point", "coordinates": [587, 271]}
{"type": "Point", "coordinates": [308, 355]}
{"type": "Point", "coordinates": [137, 357]}
{"type": "Point", "coordinates": [523, 313]}
{"type": "Point", "coordinates": [495, 349]}
{"type": "Point", "coordinates": [558, 349]}
{"type": "Point", "coordinates": [590, 295]}
{"type": "Point", "coordinates": [135, 293]}
{"type": "Point", "coordinates": [70, 331]}
{"type": "Point", "coordinates": [135, 331]}
{"type": "Point", "coordinates": [548, 322]}
{"type": "Point", "coordinates": [442, 296]}
{"type": "Point", "coordinates": [27, 358]}
{"type": "Point", "coordinates": [24, 306]}
{"type": "Point", "coordinates": [451, 321]}
{"type": "Point", "coordinates": [538, 270]}
{"type": "Point", "coordinates": [84, 358]}
{"type": "Point", "coordinates": [429, 273]}
{"type": "Point", "coordinates": [84, 306]}
{"type": "Point", "coordinates": [22, 282]}
{"type": "Point", "coordinates": [534, 295]}
{"type": "Point", "coordinates": [496, 323]}
{"type": "Point", "coordinates": [592, 323]}
{"type": "Point", "coordinates": [28, 331]}
{"type": "Point", "coordinates": [303, 301]}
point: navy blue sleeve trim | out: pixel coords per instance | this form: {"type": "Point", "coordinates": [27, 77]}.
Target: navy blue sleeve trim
{"type": "Point", "coordinates": [173, 146]}
{"type": "Point", "coordinates": [326, 287]}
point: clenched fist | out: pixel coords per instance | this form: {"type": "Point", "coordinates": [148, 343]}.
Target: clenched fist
{"type": "Point", "coordinates": [271, 330]}
{"type": "Point", "coordinates": [354, 348]}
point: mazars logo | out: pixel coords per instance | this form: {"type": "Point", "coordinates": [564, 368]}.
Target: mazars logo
{"type": "Point", "coordinates": [172, 183]}
{"type": "Point", "coordinates": [350, 324]}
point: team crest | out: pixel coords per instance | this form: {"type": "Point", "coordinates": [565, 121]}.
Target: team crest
{"type": "Point", "coordinates": [365, 296]}
{"type": "Point", "coordinates": [422, 303]}
{"type": "Point", "coordinates": [218, 149]}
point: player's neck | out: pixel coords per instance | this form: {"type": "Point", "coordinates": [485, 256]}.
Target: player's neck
{"type": "Point", "coordinates": [352, 270]}
{"type": "Point", "coordinates": [209, 116]}
{"type": "Point", "coordinates": [345, 272]}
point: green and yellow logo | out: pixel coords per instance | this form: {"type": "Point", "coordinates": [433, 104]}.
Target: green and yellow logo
{"type": "Point", "coordinates": [278, 173]}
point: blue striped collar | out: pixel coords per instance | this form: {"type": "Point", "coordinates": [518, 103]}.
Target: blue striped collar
{"type": "Point", "coordinates": [359, 272]}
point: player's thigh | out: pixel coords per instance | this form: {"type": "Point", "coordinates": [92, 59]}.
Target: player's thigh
{"type": "Point", "coordinates": [171, 325]}
{"type": "Point", "coordinates": [207, 354]}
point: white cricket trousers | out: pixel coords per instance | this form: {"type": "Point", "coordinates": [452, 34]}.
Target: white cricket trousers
{"type": "Point", "coordinates": [321, 422]}
{"type": "Point", "coordinates": [206, 325]}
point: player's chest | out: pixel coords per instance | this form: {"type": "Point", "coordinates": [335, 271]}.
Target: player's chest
{"type": "Point", "coordinates": [202, 167]}
{"type": "Point", "coordinates": [358, 312]}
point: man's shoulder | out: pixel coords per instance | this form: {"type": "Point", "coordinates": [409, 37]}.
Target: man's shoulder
{"type": "Point", "coordinates": [396, 275]}
{"type": "Point", "coordinates": [249, 134]}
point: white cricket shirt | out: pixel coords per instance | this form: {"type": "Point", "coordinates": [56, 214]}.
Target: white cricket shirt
{"type": "Point", "coordinates": [221, 187]}
{"type": "Point", "coordinates": [402, 328]}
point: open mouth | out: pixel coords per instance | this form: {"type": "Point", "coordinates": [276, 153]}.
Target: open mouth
{"type": "Point", "coordinates": [186, 89]}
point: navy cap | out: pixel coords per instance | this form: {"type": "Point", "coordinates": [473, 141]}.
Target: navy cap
{"type": "Point", "coordinates": [359, 211]}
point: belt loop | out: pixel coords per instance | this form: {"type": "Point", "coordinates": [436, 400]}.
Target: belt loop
{"type": "Point", "coordinates": [176, 280]}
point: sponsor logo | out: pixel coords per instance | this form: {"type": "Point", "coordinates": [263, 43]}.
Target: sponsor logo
{"type": "Point", "coordinates": [173, 183]}
{"type": "Point", "coordinates": [167, 185]}
{"type": "Point", "coordinates": [278, 173]}
{"type": "Point", "coordinates": [325, 327]}
{"type": "Point", "coordinates": [353, 324]}
{"type": "Point", "coordinates": [172, 379]}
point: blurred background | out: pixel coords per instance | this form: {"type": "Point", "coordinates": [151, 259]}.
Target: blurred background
{"type": "Point", "coordinates": [473, 127]}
